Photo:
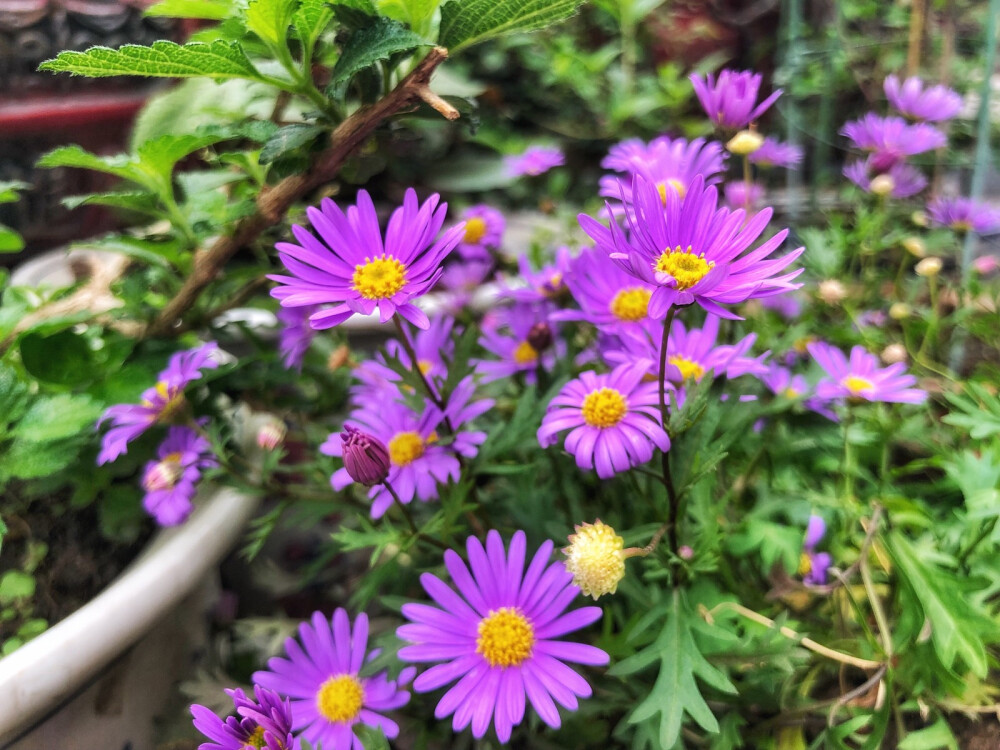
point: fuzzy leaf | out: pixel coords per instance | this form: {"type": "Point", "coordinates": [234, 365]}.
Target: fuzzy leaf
{"type": "Point", "coordinates": [367, 46]}
{"type": "Point", "coordinates": [219, 60]}
{"type": "Point", "coordinates": [57, 417]}
{"type": "Point", "coordinates": [269, 19]}
{"type": "Point", "coordinates": [310, 20]}
{"type": "Point", "coordinates": [468, 22]}
{"type": "Point", "coordinates": [288, 139]}
{"type": "Point", "coordinates": [205, 10]}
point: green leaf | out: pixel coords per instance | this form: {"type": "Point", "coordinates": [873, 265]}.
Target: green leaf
{"type": "Point", "coordinates": [269, 19]}
{"type": "Point", "coordinates": [311, 19]}
{"type": "Point", "coordinates": [675, 691]}
{"type": "Point", "coordinates": [935, 737]}
{"type": "Point", "coordinates": [367, 46]}
{"type": "Point", "coordinates": [288, 139]}
{"type": "Point", "coordinates": [9, 190]}
{"type": "Point", "coordinates": [28, 460]}
{"type": "Point", "coordinates": [57, 417]}
{"type": "Point", "coordinates": [372, 738]}
{"type": "Point", "coordinates": [354, 14]}
{"type": "Point", "coordinates": [468, 22]}
{"type": "Point", "coordinates": [128, 200]}
{"type": "Point", "coordinates": [15, 585]}
{"type": "Point", "coordinates": [64, 358]}
{"type": "Point", "coordinates": [205, 10]}
{"type": "Point", "coordinates": [417, 14]}
{"type": "Point", "coordinates": [10, 241]}
{"type": "Point", "coordinates": [219, 59]}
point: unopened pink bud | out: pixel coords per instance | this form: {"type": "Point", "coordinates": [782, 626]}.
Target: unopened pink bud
{"type": "Point", "coordinates": [271, 435]}
{"type": "Point", "coordinates": [365, 457]}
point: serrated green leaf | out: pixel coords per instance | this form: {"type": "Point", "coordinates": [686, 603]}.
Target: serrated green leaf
{"type": "Point", "coordinates": [139, 201]}
{"type": "Point", "coordinates": [311, 19]}
{"type": "Point", "coordinates": [468, 22]}
{"type": "Point", "coordinates": [354, 14]}
{"type": "Point", "coordinates": [28, 460]}
{"type": "Point", "coordinates": [218, 59]}
{"type": "Point", "coordinates": [288, 139]}
{"type": "Point", "coordinates": [269, 19]}
{"type": "Point", "coordinates": [57, 417]}
{"type": "Point", "coordinates": [367, 46]}
{"type": "Point", "coordinates": [205, 10]}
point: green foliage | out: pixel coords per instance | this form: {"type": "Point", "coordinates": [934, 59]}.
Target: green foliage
{"type": "Point", "coordinates": [977, 410]}
{"type": "Point", "coordinates": [468, 22]}
{"type": "Point", "coordinates": [10, 241]}
{"type": "Point", "coordinates": [269, 19]}
{"type": "Point", "coordinates": [370, 44]}
{"type": "Point", "coordinates": [206, 10]}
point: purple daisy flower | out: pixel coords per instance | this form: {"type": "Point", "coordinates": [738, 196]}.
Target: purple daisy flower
{"type": "Point", "coordinates": [484, 227]}
{"type": "Point", "coordinates": [543, 286]}
{"type": "Point", "coordinates": [911, 99]}
{"type": "Point", "coordinates": [738, 195]}
{"type": "Point", "coordinates": [891, 139]}
{"type": "Point", "coordinates": [814, 565]}
{"type": "Point", "coordinates": [608, 296]}
{"type": "Point", "coordinates": [157, 404]}
{"type": "Point", "coordinates": [322, 678]}
{"type": "Point", "coordinates": [351, 268]}
{"type": "Point", "coordinates": [496, 636]}
{"type": "Point", "coordinates": [773, 153]}
{"type": "Point", "coordinates": [296, 334]}
{"type": "Point", "coordinates": [730, 101]}
{"type": "Point", "coordinates": [964, 215]}
{"type": "Point", "coordinates": [613, 418]}
{"type": "Point", "coordinates": [861, 378]}
{"type": "Point", "coordinates": [534, 161]}
{"type": "Point", "coordinates": [512, 341]}
{"type": "Point", "coordinates": [265, 723]}
{"type": "Point", "coordinates": [689, 249]}
{"type": "Point", "coordinates": [901, 179]}
{"type": "Point", "coordinates": [781, 382]}
{"type": "Point", "coordinates": [669, 163]}
{"type": "Point", "coordinates": [171, 482]}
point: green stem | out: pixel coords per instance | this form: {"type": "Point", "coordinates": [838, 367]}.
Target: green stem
{"type": "Point", "coordinates": [932, 326]}
{"type": "Point", "coordinates": [748, 183]}
{"type": "Point", "coordinates": [876, 604]}
{"type": "Point", "coordinates": [668, 480]}
{"type": "Point", "coordinates": [984, 532]}
{"type": "Point", "coordinates": [849, 458]}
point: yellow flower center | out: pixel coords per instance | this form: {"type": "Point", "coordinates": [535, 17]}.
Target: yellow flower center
{"type": "Point", "coordinates": [630, 304]}
{"type": "Point", "coordinates": [164, 475]}
{"type": "Point", "coordinates": [475, 230]}
{"type": "Point", "coordinates": [855, 384]}
{"type": "Point", "coordinates": [255, 740]}
{"type": "Point", "coordinates": [604, 408]}
{"type": "Point", "coordinates": [425, 366]}
{"type": "Point", "coordinates": [173, 398]}
{"type": "Point", "coordinates": [554, 286]}
{"type": "Point", "coordinates": [340, 698]}
{"type": "Point", "coordinates": [405, 448]}
{"type": "Point", "coordinates": [505, 637]}
{"type": "Point", "coordinates": [594, 557]}
{"type": "Point", "coordinates": [525, 354]}
{"type": "Point", "coordinates": [805, 564]}
{"type": "Point", "coordinates": [688, 367]}
{"type": "Point", "coordinates": [379, 278]}
{"type": "Point", "coordinates": [679, 187]}
{"type": "Point", "coordinates": [684, 266]}
{"type": "Point", "coordinates": [790, 393]}
{"type": "Point", "coordinates": [961, 225]}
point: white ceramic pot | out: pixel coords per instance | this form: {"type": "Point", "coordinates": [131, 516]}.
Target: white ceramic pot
{"type": "Point", "coordinates": [98, 678]}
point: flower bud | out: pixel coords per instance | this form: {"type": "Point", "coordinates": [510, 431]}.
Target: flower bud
{"type": "Point", "coordinates": [894, 353]}
{"type": "Point", "coordinates": [914, 246]}
{"type": "Point", "coordinates": [832, 291]}
{"type": "Point", "coordinates": [685, 552]}
{"type": "Point", "coordinates": [745, 143]}
{"type": "Point", "coordinates": [163, 475]}
{"type": "Point", "coordinates": [365, 457]}
{"type": "Point", "coordinates": [899, 311]}
{"type": "Point", "coordinates": [271, 434]}
{"type": "Point", "coordinates": [540, 337]}
{"type": "Point", "coordinates": [985, 265]}
{"type": "Point", "coordinates": [882, 185]}
{"type": "Point", "coordinates": [919, 218]}
{"type": "Point", "coordinates": [929, 267]}
{"type": "Point", "coordinates": [594, 557]}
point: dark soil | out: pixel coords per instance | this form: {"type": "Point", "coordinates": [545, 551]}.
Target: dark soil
{"type": "Point", "coordinates": [79, 563]}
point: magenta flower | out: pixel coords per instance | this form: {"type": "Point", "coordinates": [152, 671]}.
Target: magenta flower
{"type": "Point", "coordinates": [891, 139]}
{"type": "Point", "coordinates": [265, 723]}
{"type": "Point", "coordinates": [613, 418]}
{"type": "Point", "coordinates": [690, 250]}
{"type": "Point", "coordinates": [351, 268]}
{"type": "Point", "coordinates": [484, 227]}
{"type": "Point", "coordinates": [738, 195]}
{"type": "Point", "coordinates": [903, 179]}
{"type": "Point", "coordinates": [544, 285]}
{"type": "Point", "coordinates": [813, 565]}
{"type": "Point", "coordinates": [911, 99]}
{"type": "Point", "coordinates": [296, 334]}
{"type": "Point", "coordinates": [534, 161]}
{"type": "Point", "coordinates": [730, 101]}
{"type": "Point", "coordinates": [496, 637]}
{"type": "Point", "coordinates": [328, 695]}
{"type": "Point", "coordinates": [366, 459]}
{"type": "Point", "coordinates": [171, 482]}
{"type": "Point", "coordinates": [672, 164]}
{"type": "Point", "coordinates": [511, 342]}
{"type": "Point", "coordinates": [986, 265]}
{"type": "Point", "coordinates": [157, 404]}
{"type": "Point", "coordinates": [964, 215]}
{"type": "Point", "coordinates": [608, 296]}
{"type": "Point", "coordinates": [861, 378]}
{"type": "Point", "coordinates": [773, 153]}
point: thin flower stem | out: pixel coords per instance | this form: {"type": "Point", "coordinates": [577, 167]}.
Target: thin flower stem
{"type": "Point", "coordinates": [417, 534]}
{"type": "Point", "coordinates": [747, 183]}
{"type": "Point", "coordinates": [880, 619]}
{"type": "Point", "coordinates": [984, 532]}
{"type": "Point", "coordinates": [434, 396]}
{"type": "Point", "coordinates": [649, 548]}
{"type": "Point", "coordinates": [668, 479]}
{"type": "Point", "coordinates": [848, 468]}
{"type": "Point", "coordinates": [809, 643]}
{"type": "Point", "coordinates": [932, 326]}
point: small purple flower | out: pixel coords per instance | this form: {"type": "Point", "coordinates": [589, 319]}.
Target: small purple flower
{"type": "Point", "coordinates": [534, 161]}
{"type": "Point", "coordinates": [157, 404]}
{"type": "Point", "coordinates": [891, 139]}
{"type": "Point", "coordinates": [964, 215]}
{"type": "Point", "coordinates": [911, 99]}
{"type": "Point", "coordinates": [861, 378]}
{"type": "Point", "coordinates": [781, 382]}
{"type": "Point", "coordinates": [509, 342]}
{"type": "Point", "coordinates": [296, 334]}
{"type": "Point", "coordinates": [690, 250]}
{"type": "Point", "coordinates": [608, 296]}
{"type": "Point", "coordinates": [497, 637]}
{"type": "Point", "coordinates": [543, 286]}
{"type": "Point", "coordinates": [322, 677]}
{"type": "Point", "coordinates": [787, 306]}
{"type": "Point", "coordinates": [431, 346]}
{"type": "Point", "coordinates": [366, 459]}
{"type": "Point", "coordinates": [351, 268]}
{"type": "Point", "coordinates": [171, 482]}
{"type": "Point", "coordinates": [484, 227]}
{"type": "Point", "coordinates": [265, 723]}
{"type": "Point", "coordinates": [613, 418]}
{"type": "Point", "coordinates": [814, 565]}
{"type": "Point", "coordinates": [776, 154]}
{"type": "Point", "coordinates": [729, 101]}
{"type": "Point", "coordinates": [902, 180]}
{"type": "Point", "coordinates": [986, 265]}
{"type": "Point", "coordinates": [737, 195]}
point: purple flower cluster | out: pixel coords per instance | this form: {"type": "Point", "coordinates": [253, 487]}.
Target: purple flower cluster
{"type": "Point", "coordinates": [262, 723]}
{"type": "Point", "coordinates": [730, 101]}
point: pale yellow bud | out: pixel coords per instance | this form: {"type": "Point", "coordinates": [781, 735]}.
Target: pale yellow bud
{"type": "Point", "coordinates": [899, 311]}
{"type": "Point", "coordinates": [882, 185]}
{"type": "Point", "coordinates": [745, 143]}
{"type": "Point", "coordinates": [594, 557]}
{"type": "Point", "coordinates": [929, 267]}
{"type": "Point", "coordinates": [914, 246]}
{"type": "Point", "coordinates": [894, 353]}
{"type": "Point", "coordinates": [832, 291]}
{"type": "Point", "coordinates": [919, 218]}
